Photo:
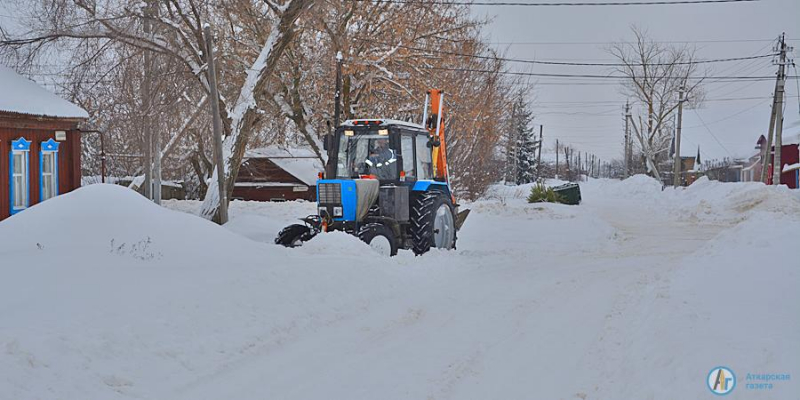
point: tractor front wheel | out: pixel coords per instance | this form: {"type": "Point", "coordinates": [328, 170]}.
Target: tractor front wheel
{"type": "Point", "coordinates": [294, 235]}
{"type": "Point", "coordinates": [380, 238]}
{"type": "Point", "coordinates": [432, 222]}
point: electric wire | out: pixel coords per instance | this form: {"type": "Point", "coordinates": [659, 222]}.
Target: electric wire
{"type": "Point", "coordinates": [628, 42]}
{"type": "Point", "coordinates": [736, 114]}
{"type": "Point", "coordinates": [594, 76]}
{"type": "Point", "coordinates": [797, 82]}
{"type": "Point", "coordinates": [712, 133]}
{"type": "Point", "coordinates": [565, 63]}
{"type": "Point", "coordinates": [552, 4]}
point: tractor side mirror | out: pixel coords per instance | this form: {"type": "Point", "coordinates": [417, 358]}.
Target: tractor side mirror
{"type": "Point", "coordinates": [326, 140]}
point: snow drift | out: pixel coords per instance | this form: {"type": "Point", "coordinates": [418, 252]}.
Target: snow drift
{"type": "Point", "coordinates": [539, 300]}
{"type": "Point", "coordinates": [111, 220]}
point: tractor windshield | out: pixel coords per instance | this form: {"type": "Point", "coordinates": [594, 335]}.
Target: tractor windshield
{"type": "Point", "coordinates": [366, 154]}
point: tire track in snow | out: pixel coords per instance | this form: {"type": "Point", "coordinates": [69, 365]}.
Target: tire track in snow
{"type": "Point", "coordinates": [656, 244]}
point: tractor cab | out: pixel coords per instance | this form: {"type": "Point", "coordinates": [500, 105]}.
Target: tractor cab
{"type": "Point", "coordinates": [386, 150]}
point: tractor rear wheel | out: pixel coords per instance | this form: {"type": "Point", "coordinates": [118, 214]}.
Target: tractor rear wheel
{"type": "Point", "coordinates": [432, 222]}
{"type": "Point", "coordinates": [380, 238]}
{"type": "Point", "coordinates": [294, 235]}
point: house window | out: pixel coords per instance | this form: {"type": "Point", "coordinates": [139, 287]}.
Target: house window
{"type": "Point", "coordinates": [19, 174]}
{"type": "Point", "coordinates": [48, 170]}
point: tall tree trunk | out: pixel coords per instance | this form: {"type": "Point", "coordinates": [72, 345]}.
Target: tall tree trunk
{"type": "Point", "coordinates": [244, 115]}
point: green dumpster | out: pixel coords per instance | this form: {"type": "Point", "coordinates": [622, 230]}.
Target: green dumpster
{"type": "Point", "coordinates": [570, 193]}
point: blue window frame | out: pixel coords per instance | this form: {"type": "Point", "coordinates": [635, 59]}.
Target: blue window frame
{"type": "Point", "coordinates": [48, 170]}
{"type": "Point", "coordinates": [19, 164]}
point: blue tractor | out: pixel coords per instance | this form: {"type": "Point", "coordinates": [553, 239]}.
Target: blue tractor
{"type": "Point", "coordinates": [387, 183]}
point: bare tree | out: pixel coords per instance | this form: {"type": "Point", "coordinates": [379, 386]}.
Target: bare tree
{"type": "Point", "coordinates": [655, 73]}
{"type": "Point", "coordinates": [387, 69]}
{"type": "Point", "coordinates": [254, 36]}
{"type": "Point", "coordinates": [276, 75]}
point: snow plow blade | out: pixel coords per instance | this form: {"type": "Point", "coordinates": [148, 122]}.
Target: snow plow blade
{"type": "Point", "coordinates": [460, 218]}
{"type": "Point", "coordinates": [297, 234]}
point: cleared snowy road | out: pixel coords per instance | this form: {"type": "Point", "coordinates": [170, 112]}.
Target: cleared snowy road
{"type": "Point", "coordinates": [534, 305]}
{"type": "Point", "coordinates": [616, 298]}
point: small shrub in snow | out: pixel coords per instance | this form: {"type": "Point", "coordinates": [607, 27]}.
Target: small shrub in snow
{"type": "Point", "coordinates": [541, 193]}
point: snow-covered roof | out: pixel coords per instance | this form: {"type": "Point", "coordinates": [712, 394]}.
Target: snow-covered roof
{"type": "Point", "coordinates": [280, 152]}
{"type": "Point", "coordinates": [792, 167]}
{"type": "Point", "coordinates": [349, 122]}
{"type": "Point", "coordinates": [23, 96]}
{"type": "Point", "coordinates": [301, 163]}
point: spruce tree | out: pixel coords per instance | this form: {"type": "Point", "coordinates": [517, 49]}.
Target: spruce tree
{"type": "Point", "coordinates": [525, 142]}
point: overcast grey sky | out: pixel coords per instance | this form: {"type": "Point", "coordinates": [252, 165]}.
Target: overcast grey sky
{"type": "Point", "coordinates": [577, 33]}
{"type": "Point", "coordinates": [583, 33]}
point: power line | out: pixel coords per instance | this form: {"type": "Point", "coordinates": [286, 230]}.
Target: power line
{"type": "Point", "coordinates": [760, 103]}
{"type": "Point", "coordinates": [628, 42]}
{"type": "Point", "coordinates": [591, 76]}
{"type": "Point", "coordinates": [797, 82]}
{"type": "Point", "coordinates": [712, 134]}
{"type": "Point", "coordinates": [567, 63]}
{"type": "Point", "coordinates": [571, 4]}
{"type": "Point", "coordinates": [616, 102]}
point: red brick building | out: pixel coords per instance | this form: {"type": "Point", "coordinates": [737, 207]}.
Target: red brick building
{"type": "Point", "coordinates": [790, 155]}
{"type": "Point", "coordinates": [40, 148]}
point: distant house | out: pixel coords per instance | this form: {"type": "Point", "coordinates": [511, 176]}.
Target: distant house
{"type": "Point", "coordinates": [40, 147]}
{"type": "Point", "coordinates": [169, 189]}
{"type": "Point", "coordinates": [751, 168]}
{"type": "Point", "coordinates": [278, 174]}
{"type": "Point", "coordinates": [725, 170]}
{"type": "Point", "coordinates": [690, 170]}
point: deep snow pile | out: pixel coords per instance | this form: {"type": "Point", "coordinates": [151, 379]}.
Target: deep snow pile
{"type": "Point", "coordinates": [636, 293]}
{"type": "Point", "coordinates": [107, 295]}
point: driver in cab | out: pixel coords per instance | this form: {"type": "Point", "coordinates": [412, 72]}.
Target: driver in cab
{"type": "Point", "coordinates": [381, 160]}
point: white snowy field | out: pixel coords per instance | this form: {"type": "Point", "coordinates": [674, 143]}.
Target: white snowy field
{"type": "Point", "coordinates": [635, 294]}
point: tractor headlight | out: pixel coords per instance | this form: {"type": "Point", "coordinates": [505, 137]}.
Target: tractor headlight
{"type": "Point", "coordinates": [322, 211]}
{"type": "Point", "coordinates": [337, 211]}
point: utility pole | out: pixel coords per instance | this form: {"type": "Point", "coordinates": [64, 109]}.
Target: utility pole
{"type": "Point", "coordinates": [777, 165]}
{"type": "Point", "coordinates": [330, 168]}
{"type": "Point", "coordinates": [556, 173]}
{"type": "Point", "coordinates": [337, 107]}
{"type": "Point", "coordinates": [625, 162]}
{"type": "Point", "coordinates": [155, 134]}
{"type": "Point", "coordinates": [768, 151]}
{"type": "Point", "coordinates": [677, 167]}
{"type": "Point", "coordinates": [539, 156]}
{"type": "Point", "coordinates": [211, 72]}
{"type": "Point", "coordinates": [147, 106]}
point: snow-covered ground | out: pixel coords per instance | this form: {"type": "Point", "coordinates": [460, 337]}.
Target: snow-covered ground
{"type": "Point", "coordinates": [635, 294]}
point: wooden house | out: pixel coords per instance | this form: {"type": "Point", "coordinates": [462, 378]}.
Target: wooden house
{"type": "Point", "coordinates": [40, 148]}
{"type": "Point", "coordinates": [278, 174]}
